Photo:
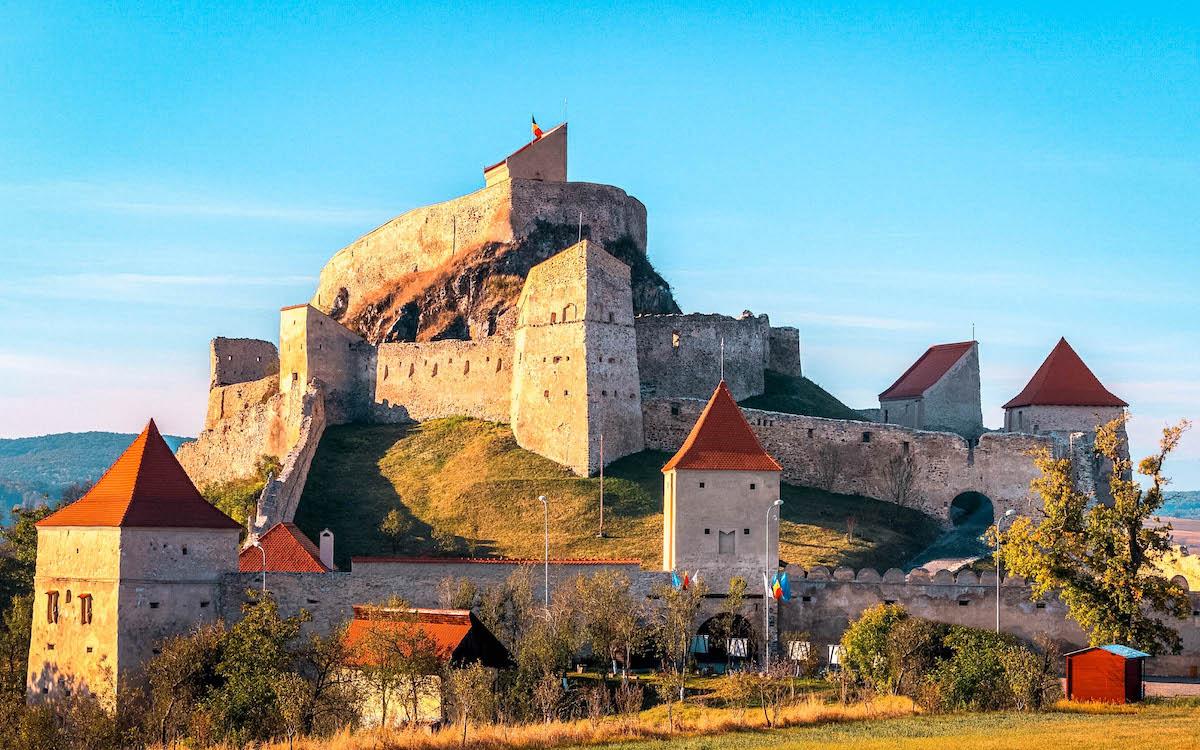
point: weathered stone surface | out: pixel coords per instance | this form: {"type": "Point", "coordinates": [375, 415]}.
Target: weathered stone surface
{"type": "Point", "coordinates": [684, 355]}
{"type": "Point", "coordinates": [241, 360]}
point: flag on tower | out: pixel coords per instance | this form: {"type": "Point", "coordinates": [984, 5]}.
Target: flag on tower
{"type": "Point", "coordinates": [537, 132]}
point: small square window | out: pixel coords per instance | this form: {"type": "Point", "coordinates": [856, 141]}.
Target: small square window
{"type": "Point", "coordinates": [1040, 605]}
{"type": "Point", "coordinates": [964, 602]}
{"type": "Point", "coordinates": [866, 437]}
{"type": "Point", "coordinates": [153, 605]}
{"type": "Point", "coordinates": [49, 646]}
{"type": "Point", "coordinates": [746, 532]}
{"type": "Point", "coordinates": [203, 605]}
{"type": "Point", "coordinates": [89, 649]}
{"type": "Point", "coordinates": [708, 531]}
{"type": "Point", "coordinates": [674, 410]}
{"type": "Point", "coordinates": [753, 486]}
{"type": "Point", "coordinates": [702, 485]}
{"type": "Point", "coordinates": [810, 432]}
{"type": "Point", "coordinates": [806, 598]}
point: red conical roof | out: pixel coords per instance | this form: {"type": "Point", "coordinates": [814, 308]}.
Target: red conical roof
{"type": "Point", "coordinates": [722, 440]}
{"type": "Point", "coordinates": [1064, 380]}
{"type": "Point", "coordinates": [145, 487]}
{"type": "Point", "coordinates": [288, 551]}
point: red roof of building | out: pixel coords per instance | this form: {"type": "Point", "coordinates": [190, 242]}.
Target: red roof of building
{"type": "Point", "coordinates": [453, 633]}
{"type": "Point", "coordinates": [927, 370]}
{"type": "Point", "coordinates": [1064, 380]}
{"type": "Point", "coordinates": [288, 551]}
{"type": "Point", "coordinates": [722, 439]}
{"type": "Point", "coordinates": [145, 487]}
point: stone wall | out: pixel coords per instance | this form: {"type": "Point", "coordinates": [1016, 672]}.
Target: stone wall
{"type": "Point", "coordinates": [851, 457]}
{"type": "Point", "coordinates": [227, 401]}
{"type": "Point", "coordinates": [824, 603]}
{"type": "Point", "coordinates": [953, 402]}
{"type": "Point", "coordinates": [231, 447]}
{"type": "Point", "coordinates": [241, 360]}
{"type": "Point", "coordinates": [680, 355]}
{"type": "Point", "coordinates": [1062, 419]}
{"type": "Point", "coordinates": [785, 351]}
{"type": "Point", "coordinates": [543, 159]}
{"type": "Point", "coordinates": [281, 496]}
{"type": "Point", "coordinates": [446, 378]}
{"type": "Point", "coordinates": [313, 345]}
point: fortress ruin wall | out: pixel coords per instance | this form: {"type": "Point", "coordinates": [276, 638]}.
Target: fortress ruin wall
{"type": "Point", "coordinates": [680, 355]}
{"type": "Point", "coordinates": [241, 360]}
{"type": "Point", "coordinates": [784, 355]}
{"type": "Point", "coordinates": [445, 378]}
{"type": "Point", "coordinates": [861, 458]}
{"type": "Point", "coordinates": [230, 448]}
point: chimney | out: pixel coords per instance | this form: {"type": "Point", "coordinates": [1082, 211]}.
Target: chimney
{"type": "Point", "coordinates": [327, 548]}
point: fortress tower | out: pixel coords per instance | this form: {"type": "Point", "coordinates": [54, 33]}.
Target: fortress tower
{"type": "Point", "coordinates": [717, 492]}
{"type": "Point", "coordinates": [1063, 396]}
{"type": "Point", "coordinates": [137, 559]}
{"type": "Point", "coordinates": [940, 391]}
{"type": "Point", "coordinates": [575, 376]}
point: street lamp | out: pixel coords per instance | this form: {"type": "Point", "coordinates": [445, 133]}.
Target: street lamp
{"type": "Point", "coordinates": [1007, 514]}
{"type": "Point", "coordinates": [264, 565]}
{"type": "Point", "coordinates": [767, 601]}
{"type": "Point", "coordinates": [546, 556]}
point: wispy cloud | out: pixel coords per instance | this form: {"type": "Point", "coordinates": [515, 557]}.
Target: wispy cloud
{"type": "Point", "coordinates": [158, 200]}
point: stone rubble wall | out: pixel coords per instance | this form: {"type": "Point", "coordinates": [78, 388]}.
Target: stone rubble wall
{"type": "Point", "coordinates": [850, 457]}
{"type": "Point", "coordinates": [227, 401]}
{"type": "Point", "coordinates": [784, 356]}
{"type": "Point", "coordinates": [281, 496]}
{"type": "Point", "coordinates": [250, 428]}
{"type": "Point", "coordinates": [241, 360]}
{"type": "Point", "coordinates": [693, 368]}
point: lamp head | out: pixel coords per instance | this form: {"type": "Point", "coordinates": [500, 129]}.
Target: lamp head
{"type": "Point", "coordinates": [1009, 512]}
{"type": "Point", "coordinates": [542, 498]}
{"type": "Point", "coordinates": [778, 502]}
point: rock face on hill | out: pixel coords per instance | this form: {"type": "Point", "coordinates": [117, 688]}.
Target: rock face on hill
{"type": "Point", "coordinates": [454, 269]}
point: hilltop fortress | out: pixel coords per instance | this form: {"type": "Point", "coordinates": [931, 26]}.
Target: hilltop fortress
{"type": "Point", "coordinates": [473, 307]}
{"type": "Point", "coordinates": [533, 303]}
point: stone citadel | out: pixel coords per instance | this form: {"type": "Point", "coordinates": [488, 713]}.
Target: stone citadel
{"type": "Point", "coordinates": [532, 302]}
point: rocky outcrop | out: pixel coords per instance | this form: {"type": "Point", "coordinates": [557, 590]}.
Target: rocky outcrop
{"type": "Point", "coordinates": [454, 270]}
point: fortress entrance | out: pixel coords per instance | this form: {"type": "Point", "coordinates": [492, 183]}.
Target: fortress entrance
{"type": "Point", "coordinates": [971, 513]}
{"type": "Point", "coordinates": [973, 510]}
{"type": "Point", "coordinates": [723, 641]}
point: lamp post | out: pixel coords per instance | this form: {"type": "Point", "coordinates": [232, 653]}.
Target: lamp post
{"type": "Point", "coordinates": [767, 601]}
{"type": "Point", "coordinates": [546, 555]}
{"type": "Point", "coordinates": [1007, 514]}
{"type": "Point", "coordinates": [264, 566]}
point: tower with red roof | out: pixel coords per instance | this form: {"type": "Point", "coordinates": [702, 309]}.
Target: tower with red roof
{"type": "Point", "coordinates": [138, 559]}
{"type": "Point", "coordinates": [1063, 396]}
{"type": "Point", "coordinates": [718, 491]}
{"type": "Point", "coordinates": [940, 391]}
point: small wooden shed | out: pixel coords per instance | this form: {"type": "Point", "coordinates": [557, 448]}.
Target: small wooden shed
{"type": "Point", "coordinates": [1105, 674]}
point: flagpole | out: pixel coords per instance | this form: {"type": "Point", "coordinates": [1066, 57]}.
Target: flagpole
{"type": "Point", "coordinates": [767, 601]}
{"type": "Point", "coordinates": [601, 534]}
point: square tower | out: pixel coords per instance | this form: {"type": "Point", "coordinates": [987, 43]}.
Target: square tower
{"type": "Point", "coordinates": [718, 495]}
{"type": "Point", "coordinates": [575, 374]}
{"type": "Point", "coordinates": [136, 560]}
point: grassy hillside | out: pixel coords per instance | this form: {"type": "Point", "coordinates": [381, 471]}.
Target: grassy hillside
{"type": "Point", "coordinates": [793, 395]}
{"type": "Point", "coordinates": [467, 483]}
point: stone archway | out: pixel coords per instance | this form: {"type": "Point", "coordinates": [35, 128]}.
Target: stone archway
{"type": "Point", "coordinates": [971, 513]}
{"type": "Point", "coordinates": [973, 510]}
{"type": "Point", "coordinates": [724, 640]}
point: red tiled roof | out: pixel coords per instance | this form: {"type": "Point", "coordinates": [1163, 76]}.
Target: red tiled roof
{"type": "Point", "coordinates": [527, 145]}
{"type": "Point", "coordinates": [145, 487]}
{"type": "Point", "coordinates": [497, 560]}
{"type": "Point", "coordinates": [447, 628]}
{"type": "Point", "coordinates": [1064, 380]}
{"type": "Point", "coordinates": [927, 370]}
{"type": "Point", "coordinates": [722, 439]}
{"type": "Point", "coordinates": [288, 551]}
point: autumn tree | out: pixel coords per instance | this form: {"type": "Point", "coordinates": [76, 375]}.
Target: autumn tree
{"type": "Point", "coordinates": [471, 693]}
{"type": "Point", "coordinates": [610, 615]}
{"type": "Point", "coordinates": [673, 618]}
{"type": "Point", "coordinates": [1100, 557]}
{"type": "Point", "coordinates": [396, 526]}
{"type": "Point", "coordinates": [180, 676]}
{"type": "Point", "coordinates": [400, 657]}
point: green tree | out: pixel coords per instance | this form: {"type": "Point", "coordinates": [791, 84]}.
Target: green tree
{"type": "Point", "coordinates": [180, 677]}
{"type": "Point", "coordinates": [396, 526]}
{"type": "Point", "coordinates": [18, 553]}
{"type": "Point", "coordinates": [238, 498]}
{"type": "Point", "coordinates": [866, 643]}
{"type": "Point", "coordinates": [471, 695]}
{"type": "Point", "coordinates": [673, 618]}
{"type": "Point", "coordinates": [1099, 557]}
{"type": "Point", "coordinates": [255, 654]}
{"type": "Point", "coordinates": [610, 616]}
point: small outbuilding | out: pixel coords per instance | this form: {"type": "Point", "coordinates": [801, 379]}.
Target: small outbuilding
{"type": "Point", "coordinates": [1105, 674]}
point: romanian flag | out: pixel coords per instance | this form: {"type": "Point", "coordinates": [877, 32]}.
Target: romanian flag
{"type": "Point", "coordinates": [780, 589]}
{"type": "Point", "coordinates": [537, 132]}
{"type": "Point", "coordinates": [681, 583]}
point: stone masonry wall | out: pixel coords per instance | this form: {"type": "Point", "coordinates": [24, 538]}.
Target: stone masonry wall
{"type": "Point", "coordinates": [445, 378]}
{"type": "Point", "coordinates": [241, 360]}
{"type": "Point", "coordinates": [231, 447]}
{"type": "Point", "coordinates": [785, 351]}
{"type": "Point", "coordinates": [227, 401]}
{"type": "Point", "coordinates": [953, 403]}
{"type": "Point", "coordinates": [854, 457]}
{"type": "Point", "coordinates": [680, 355]}
{"type": "Point", "coordinates": [281, 496]}
{"type": "Point", "coordinates": [1044, 419]}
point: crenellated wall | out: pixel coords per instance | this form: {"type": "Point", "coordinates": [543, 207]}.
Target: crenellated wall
{"type": "Point", "coordinates": [681, 355]}
{"type": "Point", "coordinates": [864, 458]}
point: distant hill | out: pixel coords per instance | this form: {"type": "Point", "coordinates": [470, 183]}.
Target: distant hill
{"type": "Point", "coordinates": [1182, 504]}
{"type": "Point", "coordinates": [36, 469]}
{"type": "Point", "coordinates": [465, 486]}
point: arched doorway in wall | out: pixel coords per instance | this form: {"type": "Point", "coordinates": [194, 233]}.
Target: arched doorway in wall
{"type": "Point", "coordinates": [971, 513]}
{"type": "Point", "coordinates": [724, 641]}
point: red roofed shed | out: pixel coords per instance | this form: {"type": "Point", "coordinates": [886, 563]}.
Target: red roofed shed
{"type": "Point", "coordinates": [145, 487]}
{"type": "Point", "coordinates": [456, 634]}
{"type": "Point", "coordinates": [1105, 674]}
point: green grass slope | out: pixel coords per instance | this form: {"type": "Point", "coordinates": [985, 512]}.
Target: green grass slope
{"type": "Point", "coordinates": [469, 482]}
{"type": "Point", "coordinates": [792, 395]}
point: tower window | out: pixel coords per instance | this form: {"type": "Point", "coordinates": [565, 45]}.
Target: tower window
{"type": "Point", "coordinates": [545, 394]}
{"type": "Point", "coordinates": [745, 532]}
{"type": "Point", "coordinates": [702, 485]}
{"type": "Point", "coordinates": [708, 531]}
{"type": "Point", "coordinates": [184, 549]}
{"type": "Point", "coordinates": [866, 437]}
{"type": "Point", "coordinates": [725, 540]}
{"type": "Point", "coordinates": [85, 609]}
{"type": "Point", "coordinates": [674, 410]}
{"type": "Point", "coordinates": [52, 607]}
{"type": "Point", "coordinates": [810, 432]}
{"type": "Point", "coordinates": [553, 317]}
{"type": "Point", "coordinates": [753, 486]}
{"type": "Point", "coordinates": [610, 317]}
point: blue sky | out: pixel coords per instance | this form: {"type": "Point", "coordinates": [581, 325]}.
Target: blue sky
{"type": "Point", "coordinates": [881, 177]}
